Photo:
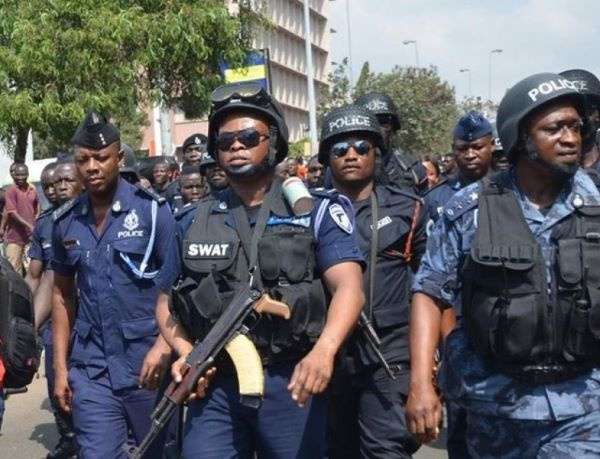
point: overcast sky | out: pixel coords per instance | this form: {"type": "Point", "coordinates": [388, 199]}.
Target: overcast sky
{"type": "Point", "coordinates": [534, 35]}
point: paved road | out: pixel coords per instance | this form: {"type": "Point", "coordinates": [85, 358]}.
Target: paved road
{"type": "Point", "coordinates": [28, 430]}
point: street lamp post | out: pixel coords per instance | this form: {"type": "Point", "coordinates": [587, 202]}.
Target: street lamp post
{"type": "Point", "coordinates": [469, 72]}
{"type": "Point", "coordinates": [312, 116]}
{"type": "Point", "coordinates": [493, 51]}
{"type": "Point", "coordinates": [413, 42]}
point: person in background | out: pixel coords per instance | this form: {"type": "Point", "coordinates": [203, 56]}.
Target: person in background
{"type": "Point", "coordinates": [433, 172]}
{"type": "Point", "coordinates": [214, 176]}
{"type": "Point", "coordinates": [191, 184]}
{"type": "Point", "coordinates": [315, 174]}
{"type": "Point", "coordinates": [22, 208]}
{"type": "Point", "coordinates": [162, 177]}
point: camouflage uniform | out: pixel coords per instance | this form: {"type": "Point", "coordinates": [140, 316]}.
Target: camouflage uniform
{"type": "Point", "coordinates": [507, 418]}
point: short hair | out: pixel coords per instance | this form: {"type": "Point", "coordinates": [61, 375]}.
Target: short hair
{"type": "Point", "coordinates": [190, 169]}
{"type": "Point", "coordinates": [49, 167]}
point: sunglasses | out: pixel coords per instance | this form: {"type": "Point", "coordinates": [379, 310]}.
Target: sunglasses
{"type": "Point", "coordinates": [249, 138]}
{"type": "Point", "coordinates": [340, 149]}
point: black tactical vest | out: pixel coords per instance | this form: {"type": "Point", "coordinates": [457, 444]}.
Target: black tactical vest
{"type": "Point", "coordinates": [215, 266]}
{"type": "Point", "coordinates": [513, 317]}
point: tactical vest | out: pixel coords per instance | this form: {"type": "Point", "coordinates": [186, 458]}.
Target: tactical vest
{"type": "Point", "coordinates": [215, 266]}
{"type": "Point", "coordinates": [514, 319]}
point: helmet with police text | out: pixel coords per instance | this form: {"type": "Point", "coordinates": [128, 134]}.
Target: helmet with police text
{"type": "Point", "coordinates": [527, 96]}
{"type": "Point", "coordinates": [380, 104]}
{"type": "Point", "coordinates": [207, 160]}
{"type": "Point", "coordinates": [345, 120]}
{"type": "Point", "coordinates": [586, 82]}
{"type": "Point", "coordinates": [497, 143]}
{"type": "Point", "coordinates": [248, 97]}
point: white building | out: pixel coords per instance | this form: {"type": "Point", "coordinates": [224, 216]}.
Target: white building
{"type": "Point", "coordinates": [285, 42]}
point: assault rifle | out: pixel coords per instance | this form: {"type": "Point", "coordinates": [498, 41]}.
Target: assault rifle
{"type": "Point", "coordinates": [229, 333]}
{"type": "Point", "coordinates": [370, 335]}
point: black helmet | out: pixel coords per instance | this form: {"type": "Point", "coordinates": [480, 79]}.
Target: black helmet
{"type": "Point", "coordinates": [586, 82]}
{"type": "Point", "coordinates": [207, 160]}
{"type": "Point", "coordinates": [379, 103]}
{"type": "Point", "coordinates": [342, 120]}
{"type": "Point", "coordinates": [128, 168]}
{"type": "Point", "coordinates": [248, 96]}
{"type": "Point", "coordinates": [525, 97]}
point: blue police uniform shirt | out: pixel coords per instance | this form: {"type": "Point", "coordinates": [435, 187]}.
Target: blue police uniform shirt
{"type": "Point", "coordinates": [436, 198]}
{"type": "Point", "coordinates": [464, 376]}
{"type": "Point", "coordinates": [41, 239]}
{"type": "Point", "coordinates": [115, 325]}
{"type": "Point", "coordinates": [333, 243]}
{"type": "Point", "coordinates": [401, 237]}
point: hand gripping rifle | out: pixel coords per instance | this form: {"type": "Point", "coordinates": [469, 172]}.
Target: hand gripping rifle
{"type": "Point", "coordinates": [229, 333]}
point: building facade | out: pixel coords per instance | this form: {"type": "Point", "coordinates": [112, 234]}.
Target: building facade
{"type": "Point", "coordinates": [285, 42]}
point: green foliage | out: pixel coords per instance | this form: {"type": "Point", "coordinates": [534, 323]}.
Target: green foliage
{"type": "Point", "coordinates": [426, 104]}
{"type": "Point", "coordinates": [297, 148]}
{"type": "Point", "coordinates": [487, 107]}
{"type": "Point", "coordinates": [60, 57]}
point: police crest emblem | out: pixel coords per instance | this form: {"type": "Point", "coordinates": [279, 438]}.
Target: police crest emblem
{"type": "Point", "coordinates": [131, 221]}
{"type": "Point", "coordinates": [341, 219]}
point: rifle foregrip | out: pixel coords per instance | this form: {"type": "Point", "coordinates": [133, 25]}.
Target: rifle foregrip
{"type": "Point", "coordinates": [268, 305]}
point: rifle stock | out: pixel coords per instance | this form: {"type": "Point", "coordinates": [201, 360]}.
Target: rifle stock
{"type": "Point", "coordinates": [226, 334]}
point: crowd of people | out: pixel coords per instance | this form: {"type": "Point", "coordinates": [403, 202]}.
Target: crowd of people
{"type": "Point", "coordinates": [467, 279]}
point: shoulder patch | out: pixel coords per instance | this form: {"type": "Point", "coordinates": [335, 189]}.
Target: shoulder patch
{"type": "Point", "coordinates": [323, 192]}
{"type": "Point", "coordinates": [151, 194]}
{"type": "Point", "coordinates": [64, 209]}
{"type": "Point", "coordinates": [340, 217]}
{"type": "Point", "coordinates": [459, 205]}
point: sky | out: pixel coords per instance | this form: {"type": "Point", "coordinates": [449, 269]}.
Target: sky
{"type": "Point", "coordinates": [534, 36]}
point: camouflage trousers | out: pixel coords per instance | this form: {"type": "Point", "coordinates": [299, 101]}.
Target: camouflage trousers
{"type": "Point", "coordinates": [496, 437]}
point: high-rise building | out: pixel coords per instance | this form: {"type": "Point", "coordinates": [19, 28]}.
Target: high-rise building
{"type": "Point", "coordinates": [285, 43]}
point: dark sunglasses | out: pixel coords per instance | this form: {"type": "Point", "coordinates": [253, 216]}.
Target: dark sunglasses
{"type": "Point", "coordinates": [249, 138]}
{"type": "Point", "coordinates": [362, 147]}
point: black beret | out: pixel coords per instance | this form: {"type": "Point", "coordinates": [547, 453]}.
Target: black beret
{"type": "Point", "coordinates": [95, 132]}
{"type": "Point", "coordinates": [195, 139]}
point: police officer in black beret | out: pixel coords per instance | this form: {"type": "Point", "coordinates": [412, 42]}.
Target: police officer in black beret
{"type": "Point", "coordinates": [367, 406]}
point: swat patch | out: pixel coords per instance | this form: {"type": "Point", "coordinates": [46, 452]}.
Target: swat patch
{"type": "Point", "coordinates": [341, 219]}
{"type": "Point", "coordinates": [208, 250]}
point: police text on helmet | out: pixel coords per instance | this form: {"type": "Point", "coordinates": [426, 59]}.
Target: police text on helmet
{"type": "Point", "coordinates": [548, 87]}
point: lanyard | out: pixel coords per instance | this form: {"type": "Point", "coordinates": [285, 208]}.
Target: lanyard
{"type": "Point", "coordinates": [140, 272]}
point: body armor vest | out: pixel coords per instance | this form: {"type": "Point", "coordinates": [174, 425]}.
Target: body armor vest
{"type": "Point", "coordinates": [215, 266]}
{"type": "Point", "coordinates": [515, 318]}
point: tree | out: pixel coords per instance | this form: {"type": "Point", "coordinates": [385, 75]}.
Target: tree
{"type": "Point", "coordinates": [338, 92]}
{"type": "Point", "coordinates": [487, 107]}
{"type": "Point", "coordinates": [427, 107]}
{"type": "Point", "coordinates": [60, 57]}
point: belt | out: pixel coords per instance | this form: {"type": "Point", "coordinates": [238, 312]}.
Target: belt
{"type": "Point", "coordinates": [543, 373]}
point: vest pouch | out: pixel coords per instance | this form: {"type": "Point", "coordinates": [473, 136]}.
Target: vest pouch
{"type": "Point", "coordinates": [286, 255]}
{"type": "Point", "coordinates": [569, 263]}
{"type": "Point", "coordinates": [269, 255]}
{"type": "Point", "coordinates": [594, 313]}
{"type": "Point", "coordinates": [579, 340]}
{"type": "Point", "coordinates": [591, 259]}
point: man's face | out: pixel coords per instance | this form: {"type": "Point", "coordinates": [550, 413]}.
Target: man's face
{"type": "Point", "coordinates": [161, 174]}
{"type": "Point", "coordinates": [21, 175]}
{"type": "Point", "coordinates": [500, 161]}
{"type": "Point", "coordinates": [192, 187]}
{"type": "Point", "coordinates": [47, 181]}
{"type": "Point", "coordinates": [242, 143]}
{"type": "Point", "coordinates": [98, 169]}
{"type": "Point", "coordinates": [386, 127]}
{"type": "Point", "coordinates": [292, 167]}
{"type": "Point", "coordinates": [66, 182]}
{"type": "Point", "coordinates": [193, 154]}
{"type": "Point", "coordinates": [555, 134]}
{"type": "Point", "coordinates": [449, 163]}
{"type": "Point", "coordinates": [352, 160]}
{"type": "Point", "coordinates": [314, 176]}
{"type": "Point", "coordinates": [216, 177]}
{"type": "Point", "coordinates": [281, 171]}
{"type": "Point", "coordinates": [473, 158]}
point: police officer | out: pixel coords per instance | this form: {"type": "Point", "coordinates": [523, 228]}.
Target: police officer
{"type": "Point", "coordinates": [400, 166]}
{"type": "Point", "coordinates": [500, 160]}
{"type": "Point", "coordinates": [116, 244]}
{"type": "Point", "coordinates": [473, 146]}
{"type": "Point", "coordinates": [162, 177]}
{"type": "Point", "coordinates": [214, 175]}
{"type": "Point", "coordinates": [589, 85]}
{"type": "Point", "coordinates": [293, 258]}
{"type": "Point", "coordinates": [516, 252]}
{"type": "Point", "coordinates": [367, 407]}
{"type": "Point", "coordinates": [193, 149]}
{"type": "Point", "coordinates": [65, 186]}
{"type": "Point", "coordinates": [192, 185]}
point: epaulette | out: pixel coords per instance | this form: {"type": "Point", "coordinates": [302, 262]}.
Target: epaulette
{"type": "Point", "coordinates": [185, 210]}
{"type": "Point", "coordinates": [158, 198]}
{"type": "Point", "coordinates": [45, 213]}
{"type": "Point", "coordinates": [396, 189]}
{"type": "Point", "coordinates": [437, 185]}
{"type": "Point", "coordinates": [322, 192]}
{"type": "Point", "coordinates": [461, 203]}
{"type": "Point", "coordinates": [64, 209]}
